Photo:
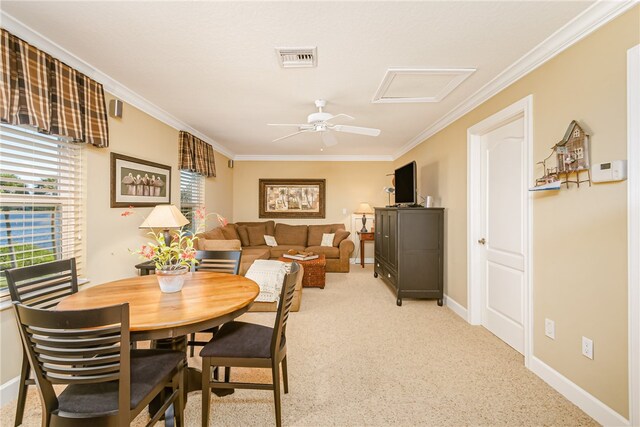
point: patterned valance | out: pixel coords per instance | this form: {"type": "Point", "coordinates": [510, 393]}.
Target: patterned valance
{"type": "Point", "coordinates": [40, 91]}
{"type": "Point", "coordinates": [196, 155]}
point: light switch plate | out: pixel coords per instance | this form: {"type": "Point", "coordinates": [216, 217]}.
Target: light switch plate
{"type": "Point", "coordinates": [550, 328]}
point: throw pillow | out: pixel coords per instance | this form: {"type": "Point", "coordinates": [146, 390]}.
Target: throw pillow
{"type": "Point", "coordinates": [243, 234]}
{"type": "Point", "coordinates": [327, 239]}
{"type": "Point", "coordinates": [270, 241]}
{"type": "Point", "coordinates": [256, 235]}
{"type": "Point", "coordinates": [340, 236]}
{"type": "Point", "coordinates": [229, 232]}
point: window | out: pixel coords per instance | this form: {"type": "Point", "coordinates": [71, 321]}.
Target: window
{"type": "Point", "coordinates": [191, 196]}
{"type": "Point", "coordinates": [40, 199]}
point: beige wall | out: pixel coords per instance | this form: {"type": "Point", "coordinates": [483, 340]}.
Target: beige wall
{"type": "Point", "coordinates": [219, 190]}
{"type": "Point", "coordinates": [348, 184]}
{"type": "Point", "coordinates": [579, 235]}
{"type": "Point", "coordinates": [108, 235]}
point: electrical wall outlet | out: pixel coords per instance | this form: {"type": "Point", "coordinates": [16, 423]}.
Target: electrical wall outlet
{"type": "Point", "coordinates": [550, 328]}
{"type": "Point", "coordinates": [587, 348]}
{"type": "Point", "coordinates": [344, 211]}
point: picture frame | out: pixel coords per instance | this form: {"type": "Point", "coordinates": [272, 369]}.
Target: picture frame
{"type": "Point", "coordinates": [292, 198]}
{"type": "Point", "coordinates": [139, 183]}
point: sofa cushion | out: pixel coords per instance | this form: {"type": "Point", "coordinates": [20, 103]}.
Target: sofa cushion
{"type": "Point", "coordinates": [256, 235]}
{"type": "Point", "coordinates": [218, 245]}
{"type": "Point", "coordinates": [215, 234]}
{"type": "Point", "coordinates": [270, 226]}
{"type": "Point", "coordinates": [243, 234]}
{"type": "Point", "coordinates": [340, 236]}
{"type": "Point", "coordinates": [315, 233]}
{"type": "Point", "coordinates": [229, 232]}
{"type": "Point", "coordinates": [277, 251]}
{"type": "Point", "coordinates": [327, 251]}
{"type": "Point", "coordinates": [291, 234]}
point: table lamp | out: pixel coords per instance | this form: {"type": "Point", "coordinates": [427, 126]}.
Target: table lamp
{"type": "Point", "coordinates": [165, 217]}
{"type": "Point", "coordinates": [364, 209]}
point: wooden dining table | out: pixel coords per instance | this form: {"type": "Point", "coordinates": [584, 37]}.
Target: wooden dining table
{"type": "Point", "coordinates": [206, 300]}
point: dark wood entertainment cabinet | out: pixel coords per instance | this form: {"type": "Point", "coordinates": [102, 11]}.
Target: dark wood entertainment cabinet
{"type": "Point", "coordinates": [409, 251]}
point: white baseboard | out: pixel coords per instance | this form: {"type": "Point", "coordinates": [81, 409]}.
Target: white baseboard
{"type": "Point", "coordinates": [578, 396]}
{"type": "Point", "coordinates": [456, 307]}
{"type": "Point", "coordinates": [9, 390]}
{"type": "Point", "coordinates": [366, 260]}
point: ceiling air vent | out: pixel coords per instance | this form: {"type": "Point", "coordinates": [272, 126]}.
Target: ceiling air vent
{"type": "Point", "coordinates": [297, 57]}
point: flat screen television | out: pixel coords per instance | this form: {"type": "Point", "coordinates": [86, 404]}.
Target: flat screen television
{"type": "Point", "coordinates": [405, 178]}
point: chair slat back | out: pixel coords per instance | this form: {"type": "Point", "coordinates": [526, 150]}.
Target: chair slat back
{"type": "Point", "coordinates": [76, 347]}
{"type": "Point", "coordinates": [83, 346]}
{"type": "Point", "coordinates": [219, 261]}
{"type": "Point", "coordinates": [284, 307]}
{"type": "Point", "coordinates": [43, 285]}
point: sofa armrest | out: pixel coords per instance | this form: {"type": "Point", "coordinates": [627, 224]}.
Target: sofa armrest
{"type": "Point", "coordinates": [346, 248]}
{"type": "Point", "coordinates": [218, 245]}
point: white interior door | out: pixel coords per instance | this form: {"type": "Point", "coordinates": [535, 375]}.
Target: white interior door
{"type": "Point", "coordinates": [503, 204]}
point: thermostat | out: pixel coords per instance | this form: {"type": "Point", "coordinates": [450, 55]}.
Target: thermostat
{"type": "Point", "coordinates": [615, 170]}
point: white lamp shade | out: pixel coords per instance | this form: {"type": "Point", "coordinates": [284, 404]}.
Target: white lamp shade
{"type": "Point", "coordinates": [165, 216]}
{"type": "Point", "coordinates": [364, 208]}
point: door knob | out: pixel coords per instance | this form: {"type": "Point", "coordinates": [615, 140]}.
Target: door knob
{"type": "Point", "coordinates": [482, 241]}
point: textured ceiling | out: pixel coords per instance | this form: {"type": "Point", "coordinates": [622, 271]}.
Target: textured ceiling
{"type": "Point", "coordinates": [213, 64]}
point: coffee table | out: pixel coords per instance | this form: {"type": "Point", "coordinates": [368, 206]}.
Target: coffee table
{"type": "Point", "coordinates": [314, 271]}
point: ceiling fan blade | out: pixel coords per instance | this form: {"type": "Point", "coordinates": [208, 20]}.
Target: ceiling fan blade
{"type": "Point", "coordinates": [300, 126]}
{"type": "Point", "coordinates": [329, 139]}
{"type": "Point", "coordinates": [290, 135]}
{"type": "Point", "coordinates": [346, 116]}
{"type": "Point", "coordinates": [356, 129]}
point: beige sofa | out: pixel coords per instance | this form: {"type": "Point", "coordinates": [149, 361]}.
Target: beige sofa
{"type": "Point", "coordinates": [250, 237]}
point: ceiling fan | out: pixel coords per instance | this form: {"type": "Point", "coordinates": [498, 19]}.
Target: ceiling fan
{"type": "Point", "coordinates": [321, 122]}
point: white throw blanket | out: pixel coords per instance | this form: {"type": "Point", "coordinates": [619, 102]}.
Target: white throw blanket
{"type": "Point", "coordinates": [269, 275]}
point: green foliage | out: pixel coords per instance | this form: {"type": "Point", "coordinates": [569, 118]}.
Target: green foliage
{"type": "Point", "coordinates": [11, 184]}
{"type": "Point", "coordinates": [26, 255]}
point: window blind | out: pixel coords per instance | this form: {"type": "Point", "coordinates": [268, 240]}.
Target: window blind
{"type": "Point", "coordinates": [41, 215]}
{"type": "Point", "coordinates": [191, 196]}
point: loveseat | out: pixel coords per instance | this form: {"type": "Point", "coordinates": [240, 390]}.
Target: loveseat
{"type": "Point", "coordinates": [250, 236]}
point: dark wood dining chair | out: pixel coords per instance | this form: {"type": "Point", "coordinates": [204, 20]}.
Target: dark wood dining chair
{"type": "Point", "coordinates": [108, 384]}
{"type": "Point", "coordinates": [241, 344]}
{"type": "Point", "coordinates": [41, 286]}
{"type": "Point", "coordinates": [219, 262]}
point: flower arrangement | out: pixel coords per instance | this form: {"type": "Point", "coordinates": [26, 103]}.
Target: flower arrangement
{"type": "Point", "coordinates": [180, 252]}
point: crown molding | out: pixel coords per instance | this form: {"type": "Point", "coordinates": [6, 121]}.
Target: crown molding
{"type": "Point", "coordinates": [111, 85]}
{"type": "Point", "coordinates": [313, 158]}
{"type": "Point", "coordinates": [575, 30]}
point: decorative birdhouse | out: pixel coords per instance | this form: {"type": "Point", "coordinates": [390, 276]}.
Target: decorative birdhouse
{"type": "Point", "coordinates": [572, 153]}
{"type": "Point", "coordinates": [572, 156]}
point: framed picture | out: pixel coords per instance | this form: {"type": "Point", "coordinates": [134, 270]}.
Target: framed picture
{"type": "Point", "coordinates": [292, 198]}
{"type": "Point", "coordinates": [137, 182]}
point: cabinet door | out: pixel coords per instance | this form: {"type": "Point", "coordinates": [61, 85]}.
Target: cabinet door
{"type": "Point", "coordinates": [392, 240]}
{"type": "Point", "coordinates": [421, 248]}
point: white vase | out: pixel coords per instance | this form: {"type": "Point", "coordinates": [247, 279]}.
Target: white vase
{"type": "Point", "coordinates": [171, 280]}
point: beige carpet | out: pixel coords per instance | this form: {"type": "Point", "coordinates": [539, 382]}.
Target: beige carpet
{"type": "Point", "coordinates": [356, 359]}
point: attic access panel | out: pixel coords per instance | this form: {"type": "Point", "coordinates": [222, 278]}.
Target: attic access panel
{"type": "Point", "coordinates": [419, 84]}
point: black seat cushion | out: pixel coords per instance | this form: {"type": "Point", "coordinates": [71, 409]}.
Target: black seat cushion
{"type": "Point", "coordinates": [148, 369]}
{"type": "Point", "coordinates": [240, 339]}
